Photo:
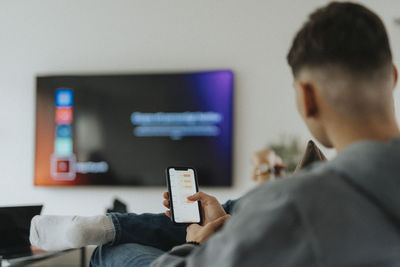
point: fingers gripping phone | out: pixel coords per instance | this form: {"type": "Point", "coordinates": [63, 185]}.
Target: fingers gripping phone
{"type": "Point", "coordinates": [182, 182]}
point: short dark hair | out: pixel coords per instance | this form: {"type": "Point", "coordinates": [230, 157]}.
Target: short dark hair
{"type": "Point", "coordinates": [345, 34]}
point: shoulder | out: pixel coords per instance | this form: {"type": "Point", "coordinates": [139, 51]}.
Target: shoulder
{"type": "Point", "coordinates": [304, 184]}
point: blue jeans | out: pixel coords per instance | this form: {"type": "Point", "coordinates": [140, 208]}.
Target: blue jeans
{"type": "Point", "coordinates": [141, 238]}
{"type": "Point", "coordinates": [129, 254]}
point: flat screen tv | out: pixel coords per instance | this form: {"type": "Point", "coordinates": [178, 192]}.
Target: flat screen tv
{"type": "Point", "coordinates": [127, 129]}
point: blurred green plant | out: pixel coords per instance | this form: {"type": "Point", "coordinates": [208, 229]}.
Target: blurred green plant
{"type": "Point", "coordinates": [290, 148]}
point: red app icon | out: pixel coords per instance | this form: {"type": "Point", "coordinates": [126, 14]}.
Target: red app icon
{"type": "Point", "coordinates": [64, 115]}
{"type": "Point", "coordinates": [62, 166]}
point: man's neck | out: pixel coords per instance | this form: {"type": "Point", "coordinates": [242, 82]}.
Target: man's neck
{"type": "Point", "coordinates": [347, 132]}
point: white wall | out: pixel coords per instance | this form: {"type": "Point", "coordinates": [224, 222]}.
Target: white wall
{"type": "Point", "coordinates": [70, 37]}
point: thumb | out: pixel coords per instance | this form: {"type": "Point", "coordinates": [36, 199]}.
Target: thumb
{"type": "Point", "coordinates": [197, 196]}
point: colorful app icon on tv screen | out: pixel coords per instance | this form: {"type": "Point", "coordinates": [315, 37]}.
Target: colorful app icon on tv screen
{"type": "Point", "coordinates": [126, 129]}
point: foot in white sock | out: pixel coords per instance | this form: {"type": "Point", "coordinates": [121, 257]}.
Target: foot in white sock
{"type": "Point", "coordinates": [65, 232]}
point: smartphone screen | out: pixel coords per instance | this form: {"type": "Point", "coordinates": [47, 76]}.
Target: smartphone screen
{"type": "Point", "coordinates": [181, 184]}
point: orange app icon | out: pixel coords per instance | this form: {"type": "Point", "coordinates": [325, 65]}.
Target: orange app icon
{"type": "Point", "coordinates": [64, 115]}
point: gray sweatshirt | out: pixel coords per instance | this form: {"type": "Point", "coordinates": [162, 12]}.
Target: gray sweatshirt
{"type": "Point", "coordinates": [345, 212]}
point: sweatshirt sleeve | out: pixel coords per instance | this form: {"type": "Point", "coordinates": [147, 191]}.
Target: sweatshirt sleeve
{"type": "Point", "coordinates": [264, 231]}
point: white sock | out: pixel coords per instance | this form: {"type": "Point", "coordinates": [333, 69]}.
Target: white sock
{"type": "Point", "coordinates": [65, 232]}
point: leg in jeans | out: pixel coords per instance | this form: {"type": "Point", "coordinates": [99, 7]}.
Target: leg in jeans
{"type": "Point", "coordinates": [149, 230]}
{"type": "Point", "coordinates": [124, 255]}
{"type": "Point", "coordinates": [155, 230]}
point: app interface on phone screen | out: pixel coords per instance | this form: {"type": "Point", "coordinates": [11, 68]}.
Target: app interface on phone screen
{"type": "Point", "coordinates": [183, 185]}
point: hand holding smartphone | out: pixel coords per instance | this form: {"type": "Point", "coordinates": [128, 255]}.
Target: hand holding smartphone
{"type": "Point", "coordinates": [182, 182]}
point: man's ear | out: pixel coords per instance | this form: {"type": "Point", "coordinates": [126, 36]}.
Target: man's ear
{"type": "Point", "coordinates": [309, 99]}
{"type": "Point", "coordinates": [396, 75]}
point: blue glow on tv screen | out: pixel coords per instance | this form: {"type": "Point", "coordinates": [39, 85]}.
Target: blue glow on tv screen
{"type": "Point", "coordinates": [126, 129]}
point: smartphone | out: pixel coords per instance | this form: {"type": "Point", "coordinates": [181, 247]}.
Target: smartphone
{"type": "Point", "coordinates": [182, 182]}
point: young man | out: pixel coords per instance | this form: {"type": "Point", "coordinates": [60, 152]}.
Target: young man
{"type": "Point", "coordinates": [342, 213]}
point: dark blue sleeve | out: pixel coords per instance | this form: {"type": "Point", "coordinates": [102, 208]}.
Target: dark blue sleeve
{"type": "Point", "coordinates": [228, 206]}
{"type": "Point", "coordinates": [155, 230]}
